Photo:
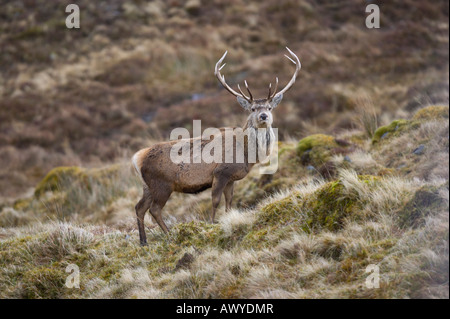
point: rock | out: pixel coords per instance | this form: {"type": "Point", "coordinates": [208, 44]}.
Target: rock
{"type": "Point", "coordinates": [420, 150]}
{"type": "Point", "coordinates": [310, 168]}
{"type": "Point", "coordinates": [193, 7]}
{"type": "Point", "coordinates": [347, 159]}
{"type": "Point", "coordinates": [424, 202]}
{"type": "Point", "coordinates": [185, 261]}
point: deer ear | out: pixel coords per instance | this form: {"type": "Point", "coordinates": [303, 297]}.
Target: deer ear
{"type": "Point", "coordinates": [276, 100]}
{"type": "Point", "coordinates": [244, 103]}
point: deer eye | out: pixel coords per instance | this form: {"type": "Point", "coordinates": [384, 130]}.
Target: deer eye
{"type": "Point", "coordinates": [253, 109]}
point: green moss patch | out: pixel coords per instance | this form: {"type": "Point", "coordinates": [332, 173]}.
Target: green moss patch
{"type": "Point", "coordinates": [74, 190]}
{"type": "Point", "coordinates": [62, 178]}
{"type": "Point", "coordinates": [396, 128]}
{"type": "Point", "coordinates": [196, 233]}
{"type": "Point", "coordinates": [58, 176]}
{"type": "Point", "coordinates": [317, 149]}
{"type": "Point", "coordinates": [327, 208]}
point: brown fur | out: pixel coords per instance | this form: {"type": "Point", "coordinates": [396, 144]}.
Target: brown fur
{"type": "Point", "coordinates": [162, 177]}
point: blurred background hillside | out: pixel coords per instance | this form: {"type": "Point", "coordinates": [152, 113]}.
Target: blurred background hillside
{"type": "Point", "coordinates": [137, 69]}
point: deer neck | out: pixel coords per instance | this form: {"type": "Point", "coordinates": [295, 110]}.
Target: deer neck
{"type": "Point", "coordinates": [260, 139]}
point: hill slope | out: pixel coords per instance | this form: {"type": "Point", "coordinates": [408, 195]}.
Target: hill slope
{"type": "Point", "coordinates": [306, 233]}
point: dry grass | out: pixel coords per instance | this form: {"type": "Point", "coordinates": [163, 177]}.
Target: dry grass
{"type": "Point", "coordinates": [367, 117]}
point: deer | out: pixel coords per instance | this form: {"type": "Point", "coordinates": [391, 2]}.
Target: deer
{"type": "Point", "coordinates": [161, 176]}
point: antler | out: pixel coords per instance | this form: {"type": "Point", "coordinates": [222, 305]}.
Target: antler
{"type": "Point", "coordinates": [291, 82]}
{"type": "Point", "coordinates": [221, 79]}
{"type": "Point", "coordinates": [271, 95]}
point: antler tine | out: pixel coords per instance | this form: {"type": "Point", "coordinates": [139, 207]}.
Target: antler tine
{"type": "Point", "coordinates": [245, 96]}
{"type": "Point", "coordinates": [221, 79]}
{"type": "Point", "coordinates": [298, 66]}
{"type": "Point", "coordinates": [248, 90]}
{"type": "Point", "coordinates": [271, 95]}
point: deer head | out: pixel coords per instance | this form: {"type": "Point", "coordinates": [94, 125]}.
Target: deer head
{"type": "Point", "coordinates": [260, 109]}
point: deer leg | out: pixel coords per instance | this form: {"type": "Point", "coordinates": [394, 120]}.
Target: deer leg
{"type": "Point", "coordinates": [156, 211]}
{"type": "Point", "coordinates": [228, 192]}
{"type": "Point", "coordinates": [217, 190]}
{"type": "Point", "coordinates": [157, 204]}
{"type": "Point", "coordinates": [141, 208]}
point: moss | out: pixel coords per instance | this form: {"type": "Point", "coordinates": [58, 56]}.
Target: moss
{"type": "Point", "coordinates": [280, 211]}
{"type": "Point", "coordinates": [22, 203]}
{"type": "Point", "coordinates": [327, 208]}
{"type": "Point", "coordinates": [265, 236]}
{"type": "Point", "coordinates": [434, 112]}
{"type": "Point", "coordinates": [235, 238]}
{"type": "Point", "coordinates": [330, 206]}
{"type": "Point", "coordinates": [318, 149]}
{"type": "Point", "coordinates": [284, 148]}
{"type": "Point", "coordinates": [197, 234]}
{"type": "Point", "coordinates": [394, 129]}
{"type": "Point", "coordinates": [59, 175]}
{"type": "Point", "coordinates": [424, 202]}
{"type": "Point", "coordinates": [63, 178]}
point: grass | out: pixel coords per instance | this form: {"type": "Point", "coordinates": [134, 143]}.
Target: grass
{"type": "Point", "coordinates": [314, 239]}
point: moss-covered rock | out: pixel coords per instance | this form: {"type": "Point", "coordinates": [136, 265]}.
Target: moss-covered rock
{"type": "Point", "coordinates": [74, 190]}
{"type": "Point", "coordinates": [63, 178]}
{"type": "Point", "coordinates": [433, 112]}
{"type": "Point", "coordinates": [58, 176]}
{"type": "Point", "coordinates": [326, 208]}
{"type": "Point", "coordinates": [332, 204]}
{"type": "Point", "coordinates": [396, 128]}
{"type": "Point", "coordinates": [281, 211]}
{"type": "Point", "coordinates": [317, 149]}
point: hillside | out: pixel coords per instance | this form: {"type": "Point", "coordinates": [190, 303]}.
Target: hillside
{"type": "Point", "coordinates": [363, 156]}
{"type": "Point", "coordinates": [312, 239]}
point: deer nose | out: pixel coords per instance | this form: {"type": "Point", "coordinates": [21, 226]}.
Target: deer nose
{"type": "Point", "coordinates": [263, 116]}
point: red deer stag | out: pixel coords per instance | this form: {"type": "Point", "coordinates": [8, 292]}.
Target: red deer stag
{"type": "Point", "coordinates": [161, 176]}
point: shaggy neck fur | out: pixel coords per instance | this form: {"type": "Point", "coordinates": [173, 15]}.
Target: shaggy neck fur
{"type": "Point", "coordinates": [260, 139]}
